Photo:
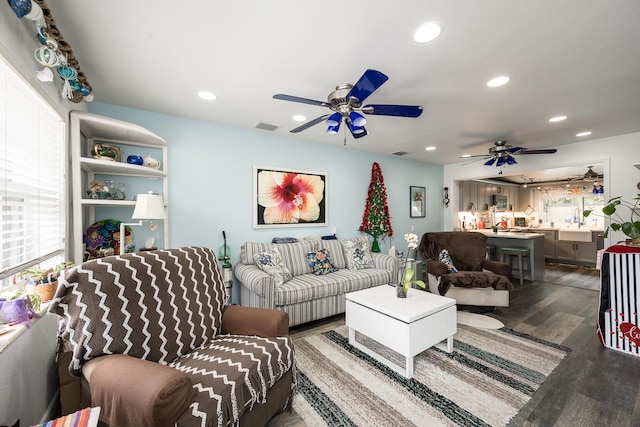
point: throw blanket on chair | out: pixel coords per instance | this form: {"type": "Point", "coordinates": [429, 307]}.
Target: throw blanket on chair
{"type": "Point", "coordinates": [167, 306]}
{"type": "Point", "coordinates": [473, 279]}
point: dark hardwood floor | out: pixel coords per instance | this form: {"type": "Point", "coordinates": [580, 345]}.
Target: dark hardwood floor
{"type": "Point", "coordinates": [592, 386]}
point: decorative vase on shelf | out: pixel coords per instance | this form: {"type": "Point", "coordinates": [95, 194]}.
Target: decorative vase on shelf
{"type": "Point", "coordinates": [401, 292]}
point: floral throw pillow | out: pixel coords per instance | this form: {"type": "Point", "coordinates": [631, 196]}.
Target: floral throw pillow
{"type": "Point", "coordinates": [445, 258]}
{"type": "Point", "coordinates": [357, 253]}
{"type": "Point", "coordinates": [271, 263]}
{"type": "Point", "coordinates": [320, 262]}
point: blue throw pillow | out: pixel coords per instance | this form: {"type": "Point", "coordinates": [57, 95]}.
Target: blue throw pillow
{"type": "Point", "coordinates": [320, 262]}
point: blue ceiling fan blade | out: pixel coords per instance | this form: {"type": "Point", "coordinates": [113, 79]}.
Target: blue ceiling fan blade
{"type": "Point", "coordinates": [310, 123]}
{"type": "Point", "coordinates": [368, 83]}
{"type": "Point", "coordinates": [490, 162]}
{"type": "Point", "coordinates": [291, 98]}
{"type": "Point", "coordinates": [393, 110]}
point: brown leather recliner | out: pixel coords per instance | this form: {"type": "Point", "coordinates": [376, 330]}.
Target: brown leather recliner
{"type": "Point", "coordinates": [479, 281]}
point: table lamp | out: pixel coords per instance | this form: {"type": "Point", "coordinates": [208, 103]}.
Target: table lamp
{"type": "Point", "coordinates": [148, 207]}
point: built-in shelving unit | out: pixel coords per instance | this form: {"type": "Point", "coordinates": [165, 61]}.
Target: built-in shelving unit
{"type": "Point", "coordinates": [88, 129]}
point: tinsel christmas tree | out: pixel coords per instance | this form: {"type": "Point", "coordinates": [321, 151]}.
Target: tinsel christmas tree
{"type": "Point", "coordinates": [375, 219]}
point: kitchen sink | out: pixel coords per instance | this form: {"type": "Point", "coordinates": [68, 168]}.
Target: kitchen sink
{"type": "Point", "coordinates": [574, 235]}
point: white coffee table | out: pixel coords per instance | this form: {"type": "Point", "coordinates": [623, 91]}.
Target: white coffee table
{"type": "Point", "coordinates": [406, 325]}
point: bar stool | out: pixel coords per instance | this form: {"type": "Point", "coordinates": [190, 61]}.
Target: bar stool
{"type": "Point", "coordinates": [520, 252]}
{"type": "Point", "coordinates": [491, 252]}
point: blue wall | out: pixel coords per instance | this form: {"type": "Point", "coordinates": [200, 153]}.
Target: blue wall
{"type": "Point", "coordinates": [210, 181]}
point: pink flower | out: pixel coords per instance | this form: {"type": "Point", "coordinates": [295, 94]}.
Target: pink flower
{"type": "Point", "coordinates": [289, 198]}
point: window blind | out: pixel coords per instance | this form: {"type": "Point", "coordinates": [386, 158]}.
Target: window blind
{"type": "Point", "coordinates": [32, 177]}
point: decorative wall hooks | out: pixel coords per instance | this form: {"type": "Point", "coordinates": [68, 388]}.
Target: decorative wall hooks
{"type": "Point", "coordinates": [446, 197]}
{"type": "Point", "coordinates": [55, 51]}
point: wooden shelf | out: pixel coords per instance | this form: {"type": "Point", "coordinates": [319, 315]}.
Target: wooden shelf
{"type": "Point", "coordinates": [107, 167]}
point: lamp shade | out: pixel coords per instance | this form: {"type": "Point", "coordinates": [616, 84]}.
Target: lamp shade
{"type": "Point", "coordinates": [334, 119]}
{"type": "Point", "coordinates": [149, 206]}
{"type": "Point", "coordinates": [333, 129]}
{"type": "Point", "coordinates": [355, 129]}
{"type": "Point", "coordinates": [357, 119]}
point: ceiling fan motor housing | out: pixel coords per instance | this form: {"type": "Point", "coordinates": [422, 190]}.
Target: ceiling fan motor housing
{"type": "Point", "coordinates": [339, 102]}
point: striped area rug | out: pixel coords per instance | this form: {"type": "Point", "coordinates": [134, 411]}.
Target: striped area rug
{"type": "Point", "coordinates": [485, 382]}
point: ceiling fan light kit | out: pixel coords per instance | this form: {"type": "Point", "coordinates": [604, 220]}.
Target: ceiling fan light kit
{"type": "Point", "coordinates": [334, 120]}
{"type": "Point", "coordinates": [346, 103]}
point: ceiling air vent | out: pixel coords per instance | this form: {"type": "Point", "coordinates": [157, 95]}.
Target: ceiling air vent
{"type": "Point", "coordinates": [400, 153]}
{"type": "Point", "coordinates": [266, 126]}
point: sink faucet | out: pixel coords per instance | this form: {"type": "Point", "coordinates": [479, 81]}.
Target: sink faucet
{"type": "Point", "coordinates": [576, 213]}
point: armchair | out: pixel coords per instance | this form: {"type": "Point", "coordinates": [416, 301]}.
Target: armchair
{"type": "Point", "coordinates": [155, 346]}
{"type": "Point", "coordinates": [478, 281]}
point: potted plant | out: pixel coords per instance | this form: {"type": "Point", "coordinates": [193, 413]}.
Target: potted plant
{"type": "Point", "coordinates": [630, 225]}
{"type": "Point", "coordinates": [44, 282]}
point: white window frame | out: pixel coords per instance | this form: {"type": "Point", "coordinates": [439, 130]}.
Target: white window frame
{"type": "Point", "coordinates": [33, 185]}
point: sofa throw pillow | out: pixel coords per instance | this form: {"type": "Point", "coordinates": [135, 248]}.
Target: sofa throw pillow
{"type": "Point", "coordinates": [357, 254]}
{"type": "Point", "coordinates": [320, 262]}
{"type": "Point", "coordinates": [271, 263]}
{"type": "Point", "coordinates": [445, 258]}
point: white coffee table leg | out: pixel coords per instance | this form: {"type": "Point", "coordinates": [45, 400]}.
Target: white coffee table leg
{"type": "Point", "coordinates": [448, 347]}
{"type": "Point", "coordinates": [409, 367]}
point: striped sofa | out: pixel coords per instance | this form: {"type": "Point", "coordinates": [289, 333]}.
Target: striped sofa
{"type": "Point", "coordinates": [307, 297]}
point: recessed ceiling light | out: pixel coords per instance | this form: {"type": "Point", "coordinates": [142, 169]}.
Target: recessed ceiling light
{"type": "Point", "coordinates": [585, 133]}
{"type": "Point", "coordinates": [557, 119]}
{"type": "Point", "coordinates": [430, 148]}
{"type": "Point", "coordinates": [206, 95]}
{"type": "Point", "coordinates": [299, 118]}
{"type": "Point", "coordinates": [465, 155]}
{"type": "Point", "coordinates": [498, 81]}
{"type": "Point", "coordinates": [427, 32]}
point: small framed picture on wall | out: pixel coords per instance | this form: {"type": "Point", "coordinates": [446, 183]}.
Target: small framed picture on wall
{"type": "Point", "coordinates": [417, 208]}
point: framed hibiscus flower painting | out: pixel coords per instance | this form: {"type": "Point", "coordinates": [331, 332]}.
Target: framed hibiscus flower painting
{"type": "Point", "coordinates": [289, 197]}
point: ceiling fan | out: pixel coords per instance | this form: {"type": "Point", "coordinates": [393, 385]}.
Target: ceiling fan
{"type": "Point", "coordinates": [501, 153]}
{"type": "Point", "coordinates": [346, 103]}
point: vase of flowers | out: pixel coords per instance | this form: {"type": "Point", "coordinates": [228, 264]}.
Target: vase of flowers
{"type": "Point", "coordinates": [406, 276]}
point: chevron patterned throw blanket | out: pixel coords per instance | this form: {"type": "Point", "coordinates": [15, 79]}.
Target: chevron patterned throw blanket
{"type": "Point", "coordinates": [166, 307]}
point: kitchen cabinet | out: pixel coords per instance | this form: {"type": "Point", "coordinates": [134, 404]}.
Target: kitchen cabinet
{"type": "Point", "coordinates": [88, 129]}
{"type": "Point", "coordinates": [479, 193]}
{"type": "Point", "coordinates": [583, 253]}
{"type": "Point", "coordinates": [549, 243]}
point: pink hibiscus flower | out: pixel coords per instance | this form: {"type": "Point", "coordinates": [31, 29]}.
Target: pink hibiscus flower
{"type": "Point", "coordinates": [289, 198]}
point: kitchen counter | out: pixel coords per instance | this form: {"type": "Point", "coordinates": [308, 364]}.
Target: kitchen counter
{"type": "Point", "coordinates": [533, 241]}
{"type": "Point", "coordinates": [511, 234]}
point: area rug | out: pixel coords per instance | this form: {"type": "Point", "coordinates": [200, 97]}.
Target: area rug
{"type": "Point", "coordinates": [488, 378]}
{"type": "Point", "coordinates": [478, 320]}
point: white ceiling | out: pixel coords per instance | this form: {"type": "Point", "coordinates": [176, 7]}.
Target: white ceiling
{"type": "Point", "coordinates": [580, 58]}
